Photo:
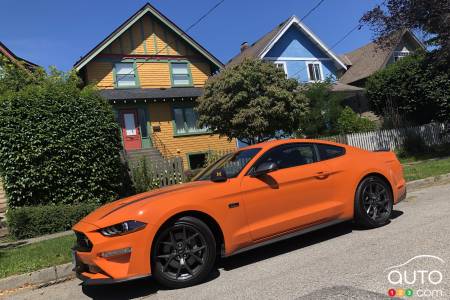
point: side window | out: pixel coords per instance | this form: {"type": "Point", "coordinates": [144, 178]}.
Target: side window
{"type": "Point", "coordinates": [291, 155]}
{"type": "Point", "coordinates": [329, 151]}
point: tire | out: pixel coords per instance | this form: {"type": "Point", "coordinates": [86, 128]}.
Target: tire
{"type": "Point", "coordinates": [184, 253]}
{"type": "Point", "coordinates": [373, 202]}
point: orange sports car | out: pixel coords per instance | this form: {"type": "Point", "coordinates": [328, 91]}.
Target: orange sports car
{"type": "Point", "coordinates": [257, 195]}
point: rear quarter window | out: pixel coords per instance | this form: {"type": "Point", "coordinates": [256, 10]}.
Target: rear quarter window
{"type": "Point", "coordinates": [329, 151]}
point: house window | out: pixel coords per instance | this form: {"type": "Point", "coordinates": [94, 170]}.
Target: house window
{"type": "Point", "coordinates": [197, 160]}
{"type": "Point", "coordinates": [186, 121]}
{"type": "Point", "coordinates": [314, 72]}
{"type": "Point", "coordinates": [125, 75]}
{"type": "Point", "coordinates": [401, 54]}
{"type": "Point", "coordinates": [281, 65]}
{"type": "Point", "coordinates": [180, 74]}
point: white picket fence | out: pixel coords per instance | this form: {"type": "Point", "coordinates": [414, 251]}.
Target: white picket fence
{"type": "Point", "coordinates": [432, 134]}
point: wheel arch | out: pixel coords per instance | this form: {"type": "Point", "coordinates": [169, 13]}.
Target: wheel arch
{"type": "Point", "coordinates": [379, 175]}
{"type": "Point", "coordinates": [206, 218]}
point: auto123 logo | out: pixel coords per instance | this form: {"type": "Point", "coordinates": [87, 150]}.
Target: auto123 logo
{"type": "Point", "coordinates": [420, 276]}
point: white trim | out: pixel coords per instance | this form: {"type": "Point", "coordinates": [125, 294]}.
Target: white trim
{"type": "Point", "coordinates": [281, 63]}
{"type": "Point", "coordinates": [285, 58]}
{"type": "Point", "coordinates": [308, 32]}
{"type": "Point", "coordinates": [149, 9]}
{"type": "Point", "coordinates": [321, 71]}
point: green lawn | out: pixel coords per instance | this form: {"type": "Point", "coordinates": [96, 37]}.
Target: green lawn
{"type": "Point", "coordinates": [36, 256]}
{"type": "Point", "coordinates": [426, 169]}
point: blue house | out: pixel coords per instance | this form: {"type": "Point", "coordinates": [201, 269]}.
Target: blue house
{"type": "Point", "coordinates": [293, 47]}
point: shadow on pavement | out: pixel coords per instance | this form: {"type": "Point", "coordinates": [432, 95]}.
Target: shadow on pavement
{"type": "Point", "coordinates": [147, 286]}
{"type": "Point", "coordinates": [130, 290]}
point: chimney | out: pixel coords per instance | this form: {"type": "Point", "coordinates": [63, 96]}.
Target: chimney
{"type": "Point", "coordinates": [244, 46]}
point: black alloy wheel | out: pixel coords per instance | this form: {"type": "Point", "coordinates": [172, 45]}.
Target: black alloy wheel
{"type": "Point", "coordinates": [373, 202]}
{"type": "Point", "coordinates": [184, 253]}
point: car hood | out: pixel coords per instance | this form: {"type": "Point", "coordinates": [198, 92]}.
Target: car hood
{"type": "Point", "coordinates": [100, 216]}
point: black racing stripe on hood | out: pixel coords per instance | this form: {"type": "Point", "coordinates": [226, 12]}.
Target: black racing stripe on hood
{"type": "Point", "coordinates": [138, 200]}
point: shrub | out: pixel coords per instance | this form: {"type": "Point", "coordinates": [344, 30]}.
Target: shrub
{"type": "Point", "coordinates": [59, 144]}
{"type": "Point", "coordinates": [416, 87]}
{"type": "Point", "coordinates": [31, 221]}
{"type": "Point", "coordinates": [324, 110]}
{"type": "Point", "coordinates": [413, 145]}
{"type": "Point", "coordinates": [350, 122]}
{"type": "Point", "coordinates": [143, 176]}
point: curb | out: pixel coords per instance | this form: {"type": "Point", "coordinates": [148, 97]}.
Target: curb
{"type": "Point", "coordinates": [61, 272]}
{"type": "Point", "coordinates": [35, 239]}
{"type": "Point", "coordinates": [421, 183]}
{"type": "Point", "coordinates": [42, 276]}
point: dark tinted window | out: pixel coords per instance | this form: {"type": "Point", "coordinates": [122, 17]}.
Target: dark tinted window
{"type": "Point", "coordinates": [329, 151]}
{"type": "Point", "coordinates": [197, 161]}
{"type": "Point", "coordinates": [232, 164]}
{"type": "Point", "coordinates": [291, 155]}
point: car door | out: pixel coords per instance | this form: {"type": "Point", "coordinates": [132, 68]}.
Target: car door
{"type": "Point", "coordinates": [291, 197]}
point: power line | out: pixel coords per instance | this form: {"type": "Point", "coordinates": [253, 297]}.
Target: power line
{"type": "Point", "coordinates": [359, 26]}
{"type": "Point", "coordinates": [311, 10]}
{"type": "Point", "coordinates": [182, 34]}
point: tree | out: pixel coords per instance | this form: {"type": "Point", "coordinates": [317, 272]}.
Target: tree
{"type": "Point", "coordinates": [58, 144]}
{"type": "Point", "coordinates": [252, 101]}
{"type": "Point", "coordinates": [14, 78]}
{"type": "Point", "coordinates": [324, 110]}
{"type": "Point", "coordinates": [416, 89]}
{"type": "Point", "coordinates": [431, 17]}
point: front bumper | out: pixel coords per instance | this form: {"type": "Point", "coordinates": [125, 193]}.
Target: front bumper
{"type": "Point", "coordinates": [402, 195]}
{"type": "Point", "coordinates": [92, 268]}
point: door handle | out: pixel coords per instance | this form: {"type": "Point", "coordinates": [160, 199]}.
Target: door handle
{"type": "Point", "coordinates": [322, 175]}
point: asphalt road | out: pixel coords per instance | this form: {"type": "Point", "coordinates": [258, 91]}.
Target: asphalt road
{"type": "Point", "coordinates": [338, 262]}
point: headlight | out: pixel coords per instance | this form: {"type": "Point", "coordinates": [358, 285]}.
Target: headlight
{"type": "Point", "coordinates": [122, 228]}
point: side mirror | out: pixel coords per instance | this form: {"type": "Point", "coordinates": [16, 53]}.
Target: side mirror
{"type": "Point", "coordinates": [219, 175]}
{"type": "Point", "coordinates": [264, 168]}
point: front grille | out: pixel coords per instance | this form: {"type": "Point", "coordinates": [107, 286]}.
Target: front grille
{"type": "Point", "coordinates": [83, 243]}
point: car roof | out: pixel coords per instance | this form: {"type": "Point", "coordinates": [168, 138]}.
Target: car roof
{"type": "Point", "coordinates": [272, 143]}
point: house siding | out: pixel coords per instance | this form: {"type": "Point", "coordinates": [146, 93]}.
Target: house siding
{"type": "Point", "coordinates": [149, 36]}
{"type": "Point", "coordinates": [295, 49]}
{"type": "Point", "coordinates": [161, 115]}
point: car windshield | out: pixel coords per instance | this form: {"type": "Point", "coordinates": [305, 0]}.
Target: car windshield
{"type": "Point", "coordinates": [232, 164]}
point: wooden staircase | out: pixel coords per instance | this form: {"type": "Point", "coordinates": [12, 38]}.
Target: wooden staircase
{"type": "Point", "coordinates": [151, 154]}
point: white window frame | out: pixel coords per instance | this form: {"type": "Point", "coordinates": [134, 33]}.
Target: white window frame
{"type": "Point", "coordinates": [277, 62]}
{"type": "Point", "coordinates": [118, 75]}
{"type": "Point", "coordinates": [401, 54]}
{"type": "Point", "coordinates": [320, 68]}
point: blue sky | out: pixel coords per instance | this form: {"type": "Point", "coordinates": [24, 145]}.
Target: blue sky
{"type": "Point", "coordinates": [55, 32]}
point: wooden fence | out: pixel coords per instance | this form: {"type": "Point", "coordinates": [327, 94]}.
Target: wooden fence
{"type": "Point", "coordinates": [163, 172]}
{"type": "Point", "coordinates": [432, 134]}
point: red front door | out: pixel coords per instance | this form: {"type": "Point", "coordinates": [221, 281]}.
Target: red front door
{"type": "Point", "coordinates": [130, 129]}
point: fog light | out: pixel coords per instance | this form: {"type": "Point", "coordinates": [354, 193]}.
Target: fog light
{"type": "Point", "coordinates": [115, 252]}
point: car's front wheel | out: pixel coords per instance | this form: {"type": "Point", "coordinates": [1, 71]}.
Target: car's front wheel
{"type": "Point", "coordinates": [373, 202]}
{"type": "Point", "coordinates": [184, 253]}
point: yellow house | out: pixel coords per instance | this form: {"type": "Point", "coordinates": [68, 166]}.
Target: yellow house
{"type": "Point", "coordinates": [151, 72]}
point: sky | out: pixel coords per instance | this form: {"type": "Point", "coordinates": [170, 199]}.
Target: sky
{"type": "Point", "coordinates": [59, 32]}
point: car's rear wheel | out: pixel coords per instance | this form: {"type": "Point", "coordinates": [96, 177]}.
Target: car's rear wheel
{"type": "Point", "coordinates": [184, 253]}
{"type": "Point", "coordinates": [373, 202]}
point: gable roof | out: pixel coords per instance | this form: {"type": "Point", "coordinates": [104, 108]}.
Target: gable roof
{"type": "Point", "coordinates": [147, 8]}
{"type": "Point", "coordinates": [370, 58]}
{"type": "Point", "coordinates": [260, 48]}
{"type": "Point", "coordinates": [14, 58]}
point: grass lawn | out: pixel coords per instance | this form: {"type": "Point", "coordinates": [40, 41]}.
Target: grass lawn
{"type": "Point", "coordinates": [36, 256]}
{"type": "Point", "coordinates": [425, 169]}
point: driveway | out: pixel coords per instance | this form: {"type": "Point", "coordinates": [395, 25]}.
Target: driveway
{"type": "Point", "coordinates": [338, 262]}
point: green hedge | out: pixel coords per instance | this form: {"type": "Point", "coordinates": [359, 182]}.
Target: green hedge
{"type": "Point", "coordinates": [31, 221]}
{"type": "Point", "coordinates": [59, 144]}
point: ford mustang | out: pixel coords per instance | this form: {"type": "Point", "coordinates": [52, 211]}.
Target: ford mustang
{"type": "Point", "coordinates": [254, 196]}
